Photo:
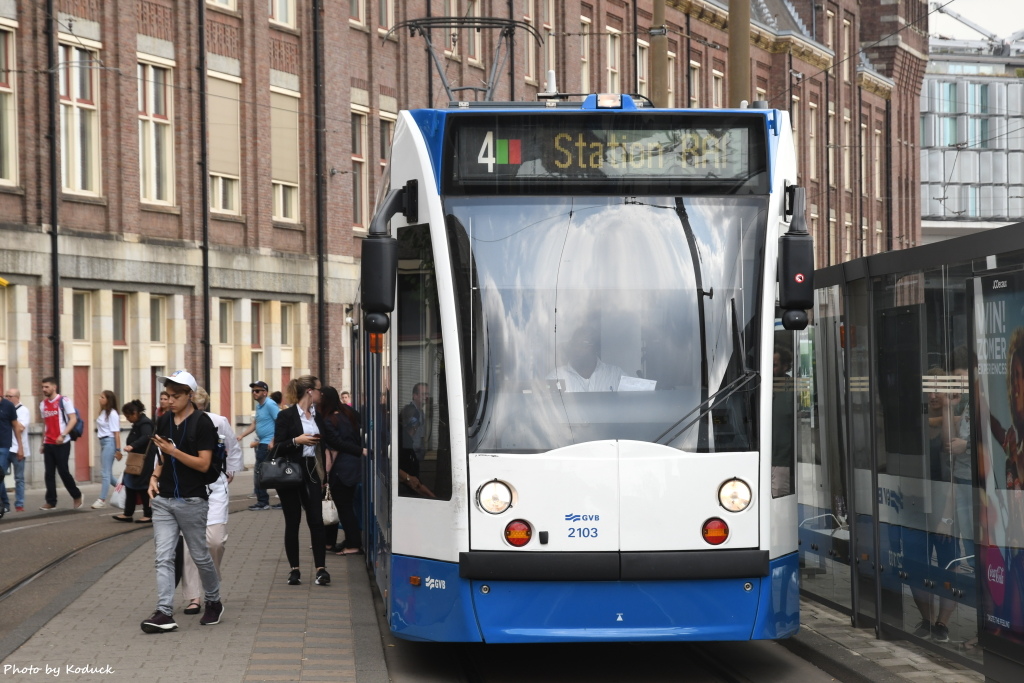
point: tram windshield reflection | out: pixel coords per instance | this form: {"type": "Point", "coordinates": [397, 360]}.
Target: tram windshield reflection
{"type": "Point", "coordinates": [580, 319]}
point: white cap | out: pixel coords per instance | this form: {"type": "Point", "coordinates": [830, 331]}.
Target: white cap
{"type": "Point", "coordinates": [183, 377]}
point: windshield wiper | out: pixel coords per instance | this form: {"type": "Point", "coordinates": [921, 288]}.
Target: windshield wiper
{"type": "Point", "coordinates": [725, 392]}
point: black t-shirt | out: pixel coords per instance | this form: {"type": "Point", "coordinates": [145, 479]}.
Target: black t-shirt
{"type": "Point", "coordinates": [196, 433]}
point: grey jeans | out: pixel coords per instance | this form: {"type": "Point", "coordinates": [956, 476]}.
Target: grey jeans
{"type": "Point", "coordinates": [187, 515]}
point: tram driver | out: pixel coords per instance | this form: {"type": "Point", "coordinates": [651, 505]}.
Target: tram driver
{"type": "Point", "coordinates": [585, 370]}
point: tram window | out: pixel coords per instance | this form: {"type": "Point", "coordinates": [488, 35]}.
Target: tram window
{"type": "Point", "coordinates": [424, 444]}
{"type": "Point", "coordinates": [783, 415]}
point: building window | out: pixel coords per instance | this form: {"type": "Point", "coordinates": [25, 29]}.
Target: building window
{"type": "Point", "coordinates": [225, 309]}
{"type": "Point", "coordinates": [612, 60]}
{"type": "Point", "coordinates": [794, 117]}
{"type": "Point", "coordinates": [227, 4]}
{"type": "Point", "coordinates": [694, 76]}
{"type": "Point", "coordinates": [947, 98]}
{"type": "Point", "coordinates": [8, 112]}
{"type": "Point", "coordinates": [977, 133]}
{"type": "Point", "coordinates": [283, 12]}
{"type": "Point", "coordinates": [548, 31]}
{"type": "Point", "coordinates": [977, 98]}
{"type": "Point", "coordinates": [812, 141]}
{"type": "Point", "coordinates": [80, 316]}
{"type": "Point", "coordinates": [156, 130]}
{"type": "Point", "coordinates": [357, 12]}
{"type": "Point", "coordinates": [451, 36]}
{"type": "Point", "coordinates": [670, 100]}
{"type": "Point", "coordinates": [284, 155]}
{"type": "Point", "coordinates": [360, 187]}
{"type": "Point", "coordinates": [531, 43]}
{"type": "Point", "coordinates": [584, 54]}
{"type": "Point", "coordinates": [474, 44]}
{"type": "Point", "coordinates": [387, 131]}
{"type": "Point", "coordinates": [830, 142]}
{"type": "Point", "coordinates": [830, 29]}
{"type": "Point", "coordinates": [863, 156]}
{"type": "Point", "coordinates": [157, 318]}
{"type": "Point", "coordinates": [717, 89]}
{"type": "Point", "coordinates": [847, 142]}
{"type": "Point", "coordinates": [287, 315]}
{"type": "Point", "coordinates": [643, 55]}
{"type": "Point", "coordinates": [947, 131]}
{"type": "Point", "coordinates": [876, 169]}
{"type": "Point", "coordinates": [385, 13]}
{"type": "Point", "coordinates": [120, 319]}
{"type": "Point", "coordinates": [224, 152]}
{"type": "Point", "coordinates": [971, 201]}
{"type": "Point", "coordinates": [847, 51]}
{"type": "Point", "coordinates": [80, 118]}
{"type": "Point", "coordinates": [120, 334]}
{"type": "Point", "coordinates": [256, 336]}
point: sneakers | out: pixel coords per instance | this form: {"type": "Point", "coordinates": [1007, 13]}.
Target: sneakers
{"type": "Point", "coordinates": [214, 611]}
{"type": "Point", "coordinates": [257, 506]}
{"type": "Point", "coordinates": [322, 577]}
{"type": "Point", "coordinates": [47, 506]}
{"type": "Point", "coordinates": [924, 629]}
{"type": "Point", "coordinates": [940, 632]}
{"type": "Point", "coordinates": [19, 508]}
{"type": "Point", "coordinates": [253, 496]}
{"type": "Point", "coordinates": [78, 503]}
{"type": "Point", "coordinates": [98, 504]}
{"type": "Point", "coordinates": [293, 577]}
{"type": "Point", "coordinates": [275, 506]}
{"type": "Point", "coordinates": [159, 623]}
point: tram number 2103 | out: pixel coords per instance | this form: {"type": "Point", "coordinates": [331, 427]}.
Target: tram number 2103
{"type": "Point", "coordinates": [583, 532]}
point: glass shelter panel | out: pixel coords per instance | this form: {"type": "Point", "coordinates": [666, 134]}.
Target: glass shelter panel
{"type": "Point", "coordinates": [823, 509]}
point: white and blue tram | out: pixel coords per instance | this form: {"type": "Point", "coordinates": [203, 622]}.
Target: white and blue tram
{"type": "Point", "coordinates": [569, 317]}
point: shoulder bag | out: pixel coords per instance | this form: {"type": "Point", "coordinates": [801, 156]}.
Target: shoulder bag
{"type": "Point", "coordinates": [278, 473]}
{"type": "Point", "coordinates": [330, 510]}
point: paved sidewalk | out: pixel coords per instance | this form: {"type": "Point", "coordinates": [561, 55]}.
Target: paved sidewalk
{"type": "Point", "coordinates": [270, 631]}
{"type": "Point", "coordinates": [275, 632]}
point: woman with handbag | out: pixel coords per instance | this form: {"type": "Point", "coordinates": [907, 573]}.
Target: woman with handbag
{"type": "Point", "coordinates": [297, 440]}
{"type": "Point", "coordinates": [343, 454]}
{"type": "Point", "coordinates": [139, 467]}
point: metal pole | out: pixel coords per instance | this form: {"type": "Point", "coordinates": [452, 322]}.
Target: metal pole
{"type": "Point", "coordinates": [52, 65]}
{"type": "Point", "coordinates": [319, 104]}
{"type": "Point", "coordinates": [659, 56]}
{"type": "Point", "coordinates": [204, 185]}
{"type": "Point", "coordinates": [739, 51]}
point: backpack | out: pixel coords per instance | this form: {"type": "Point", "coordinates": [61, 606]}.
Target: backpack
{"type": "Point", "coordinates": [79, 427]}
{"type": "Point", "coordinates": [218, 463]}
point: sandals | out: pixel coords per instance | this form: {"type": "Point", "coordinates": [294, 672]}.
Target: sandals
{"type": "Point", "coordinates": [121, 518]}
{"type": "Point", "coordinates": [351, 551]}
{"type": "Point", "coordinates": [193, 607]}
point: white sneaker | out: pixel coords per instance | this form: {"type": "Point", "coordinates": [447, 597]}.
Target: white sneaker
{"type": "Point", "coordinates": [98, 504]}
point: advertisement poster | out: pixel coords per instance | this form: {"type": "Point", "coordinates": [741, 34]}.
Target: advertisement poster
{"type": "Point", "coordinates": [999, 439]}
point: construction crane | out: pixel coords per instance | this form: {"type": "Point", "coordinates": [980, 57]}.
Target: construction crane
{"type": "Point", "coordinates": [1002, 45]}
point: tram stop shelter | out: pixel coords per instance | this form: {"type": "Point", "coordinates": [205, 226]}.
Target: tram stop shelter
{"type": "Point", "coordinates": [910, 446]}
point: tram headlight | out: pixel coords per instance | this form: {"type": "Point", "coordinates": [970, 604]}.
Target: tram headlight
{"type": "Point", "coordinates": [734, 495]}
{"type": "Point", "coordinates": [494, 497]}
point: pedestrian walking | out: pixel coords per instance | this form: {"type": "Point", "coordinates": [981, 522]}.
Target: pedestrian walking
{"type": "Point", "coordinates": [297, 439]}
{"type": "Point", "coordinates": [10, 431]}
{"type": "Point", "coordinates": [186, 438]}
{"type": "Point", "coordinates": [59, 418]}
{"type": "Point", "coordinates": [217, 517]}
{"type": "Point", "coordinates": [266, 417]}
{"type": "Point", "coordinates": [137, 485]}
{"type": "Point", "coordinates": [108, 430]}
{"type": "Point", "coordinates": [19, 448]}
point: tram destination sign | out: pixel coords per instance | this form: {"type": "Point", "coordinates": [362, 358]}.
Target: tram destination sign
{"type": "Point", "coordinates": [641, 153]}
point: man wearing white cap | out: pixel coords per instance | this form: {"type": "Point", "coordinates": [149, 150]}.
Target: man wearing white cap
{"type": "Point", "coordinates": [186, 438]}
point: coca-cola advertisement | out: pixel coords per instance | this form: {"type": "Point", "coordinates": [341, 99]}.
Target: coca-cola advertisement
{"type": "Point", "coordinates": [999, 443]}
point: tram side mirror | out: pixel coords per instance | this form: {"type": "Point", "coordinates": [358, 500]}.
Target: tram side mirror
{"type": "Point", "coordinates": [796, 264]}
{"type": "Point", "coordinates": [378, 281]}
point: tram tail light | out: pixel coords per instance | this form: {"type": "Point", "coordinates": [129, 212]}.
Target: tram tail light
{"type": "Point", "coordinates": [715, 531]}
{"type": "Point", "coordinates": [518, 533]}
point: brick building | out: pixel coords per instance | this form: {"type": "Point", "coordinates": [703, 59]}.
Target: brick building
{"type": "Point", "coordinates": [134, 288]}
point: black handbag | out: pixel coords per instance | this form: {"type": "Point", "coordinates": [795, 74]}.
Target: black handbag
{"type": "Point", "coordinates": [278, 473]}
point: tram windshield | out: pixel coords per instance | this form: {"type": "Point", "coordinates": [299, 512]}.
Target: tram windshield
{"type": "Point", "coordinates": [585, 319]}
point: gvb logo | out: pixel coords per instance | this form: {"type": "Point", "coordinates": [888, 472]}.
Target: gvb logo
{"type": "Point", "coordinates": [582, 518]}
{"type": "Point", "coordinates": [893, 499]}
